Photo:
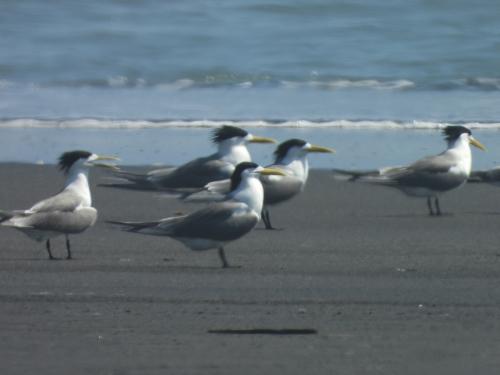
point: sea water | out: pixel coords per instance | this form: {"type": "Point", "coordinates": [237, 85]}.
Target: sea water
{"type": "Point", "coordinates": [149, 79]}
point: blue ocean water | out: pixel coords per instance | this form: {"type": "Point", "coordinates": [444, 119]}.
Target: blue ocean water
{"type": "Point", "coordinates": [78, 67]}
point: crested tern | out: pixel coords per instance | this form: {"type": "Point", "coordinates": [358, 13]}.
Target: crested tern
{"type": "Point", "coordinates": [291, 159]}
{"type": "Point", "coordinates": [433, 175]}
{"type": "Point", "coordinates": [68, 212]}
{"type": "Point", "coordinates": [219, 223]}
{"type": "Point", "coordinates": [231, 144]}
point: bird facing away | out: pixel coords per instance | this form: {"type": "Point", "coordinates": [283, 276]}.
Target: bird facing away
{"type": "Point", "coordinates": [231, 144]}
{"type": "Point", "coordinates": [68, 212]}
{"type": "Point", "coordinates": [291, 160]}
{"type": "Point", "coordinates": [433, 175]}
{"type": "Point", "coordinates": [219, 223]}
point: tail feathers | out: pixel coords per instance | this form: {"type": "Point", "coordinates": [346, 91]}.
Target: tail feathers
{"type": "Point", "coordinates": [490, 176]}
{"type": "Point", "coordinates": [6, 215]}
{"type": "Point", "coordinates": [352, 175]}
{"type": "Point", "coordinates": [133, 226]}
{"type": "Point", "coordinates": [145, 186]}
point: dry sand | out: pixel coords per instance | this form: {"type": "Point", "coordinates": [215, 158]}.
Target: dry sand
{"type": "Point", "coordinates": [389, 289]}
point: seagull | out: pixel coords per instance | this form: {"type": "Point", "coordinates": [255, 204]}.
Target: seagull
{"type": "Point", "coordinates": [433, 175]}
{"type": "Point", "coordinates": [291, 159]}
{"type": "Point", "coordinates": [231, 144]}
{"type": "Point", "coordinates": [218, 223]}
{"type": "Point", "coordinates": [68, 212]}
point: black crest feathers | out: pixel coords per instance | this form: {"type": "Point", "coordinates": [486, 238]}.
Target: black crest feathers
{"type": "Point", "coordinates": [226, 132]}
{"type": "Point", "coordinates": [453, 132]}
{"type": "Point", "coordinates": [283, 148]}
{"type": "Point", "coordinates": [67, 159]}
{"type": "Point", "coordinates": [236, 176]}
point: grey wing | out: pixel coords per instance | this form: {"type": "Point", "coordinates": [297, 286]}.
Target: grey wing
{"type": "Point", "coordinates": [430, 172]}
{"type": "Point", "coordinates": [194, 174]}
{"type": "Point", "coordinates": [64, 201]}
{"type": "Point", "coordinates": [280, 188]}
{"type": "Point", "coordinates": [214, 191]}
{"type": "Point", "coordinates": [216, 222]}
{"type": "Point", "coordinates": [58, 221]}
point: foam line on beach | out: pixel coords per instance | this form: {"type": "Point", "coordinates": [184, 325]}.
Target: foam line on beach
{"type": "Point", "coordinates": [90, 123]}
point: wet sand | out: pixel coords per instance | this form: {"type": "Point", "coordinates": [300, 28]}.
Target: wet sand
{"type": "Point", "coordinates": [388, 289]}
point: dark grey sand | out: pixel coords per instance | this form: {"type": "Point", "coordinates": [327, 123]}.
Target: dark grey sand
{"type": "Point", "coordinates": [389, 289]}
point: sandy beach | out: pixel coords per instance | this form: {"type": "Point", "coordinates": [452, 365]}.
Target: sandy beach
{"type": "Point", "coordinates": [388, 289]}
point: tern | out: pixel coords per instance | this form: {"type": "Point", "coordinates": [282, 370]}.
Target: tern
{"type": "Point", "coordinates": [291, 159]}
{"type": "Point", "coordinates": [68, 212]}
{"type": "Point", "coordinates": [219, 223]}
{"type": "Point", "coordinates": [231, 144]}
{"type": "Point", "coordinates": [433, 175]}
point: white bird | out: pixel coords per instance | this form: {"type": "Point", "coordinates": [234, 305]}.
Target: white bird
{"type": "Point", "coordinates": [231, 144]}
{"type": "Point", "coordinates": [219, 223]}
{"type": "Point", "coordinates": [291, 160]}
{"type": "Point", "coordinates": [68, 212]}
{"type": "Point", "coordinates": [431, 176]}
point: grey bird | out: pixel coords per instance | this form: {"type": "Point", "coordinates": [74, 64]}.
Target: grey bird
{"type": "Point", "coordinates": [231, 144]}
{"type": "Point", "coordinates": [68, 212]}
{"type": "Point", "coordinates": [291, 159]}
{"type": "Point", "coordinates": [219, 223]}
{"type": "Point", "coordinates": [431, 176]}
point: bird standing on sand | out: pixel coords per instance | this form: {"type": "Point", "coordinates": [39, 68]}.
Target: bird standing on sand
{"type": "Point", "coordinates": [231, 144]}
{"type": "Point", "coordinates": [431, 176]}
{"type": "Point", "coordinates": [291, 160]}
{"type": "Point", "coordinates": [219, 223]}
{"type": "Point", "coordinates": [68, 212]}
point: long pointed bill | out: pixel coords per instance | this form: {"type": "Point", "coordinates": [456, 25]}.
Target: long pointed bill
{"type": "Point", "coordinates": [96, 163]}
{"type": "Point", "coordinates": [315, 148]}
{"type": "Point", "coordinates": [104, 157]}
{"type": "Point", "coordinates": [271, 171]}
{"type": "Point", "coordinates": [257, 139]}
{"type": "Point", "coordinates": [477, 144]}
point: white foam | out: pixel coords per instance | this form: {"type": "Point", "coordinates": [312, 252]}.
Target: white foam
{"type": "Point", "coordinates": [89, 123]}
{"type": "Point", "coordinates": [399, 84]}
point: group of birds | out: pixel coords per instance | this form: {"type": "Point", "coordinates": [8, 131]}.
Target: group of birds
{"type": "Point", "coordinates": [240, 192]}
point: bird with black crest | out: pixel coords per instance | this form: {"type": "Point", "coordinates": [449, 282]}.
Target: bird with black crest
{"type": "Point", "coordinates": [218, 223]}
{"type": "Point", "coordinates": [66, 213]}
{"type": "Point", "coordinates": [231, 143]}
{"type": "Point", "coordinates": [431, 176]}
{"type": "Point", "coordinates": [291, 160]}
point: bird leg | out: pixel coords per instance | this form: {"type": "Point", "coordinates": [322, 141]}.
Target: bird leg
{"type": "Point", "coordinates": [47, 244]}
{"type": "Point", "coordinates": [68, 247]}
{"type": "Point", "coordinates": [222, 257]}
{"type": "Point", "coordinates": [266, 218]}
{"type": "Point", "coordinates": [438, 210]}
{"type": "Point", "coordinates": [429, 205]}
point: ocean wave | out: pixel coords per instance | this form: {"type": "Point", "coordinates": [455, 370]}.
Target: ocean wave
{"type": "Point", "coordinates": [244, 82]}
{"type": "Point", "coordinates": [89, 123]}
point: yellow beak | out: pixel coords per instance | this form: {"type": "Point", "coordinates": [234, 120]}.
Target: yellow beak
{"type": "Point", "coordinates": [476, 143]}
{"type": "Point", "coordinates": [103, 165]}
{"type": "Point", "coordinates": [257, 139]}
{"type": "Point", "coordinates": [271, 171]}
{"type": "Point", "coordinates": [104, 157]}
{"type": "Point", "coordinates": [315, 148]}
